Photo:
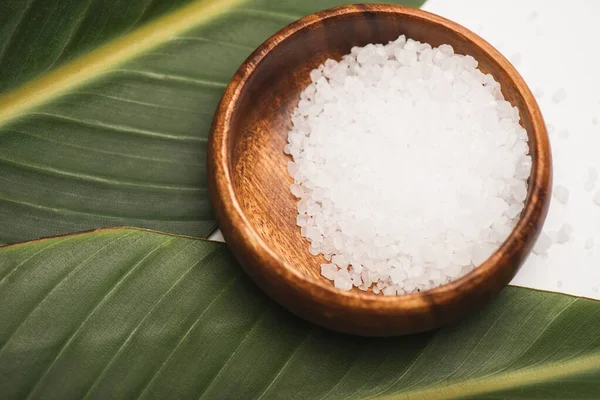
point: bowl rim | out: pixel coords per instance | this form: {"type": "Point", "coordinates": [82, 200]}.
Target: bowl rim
{"type": "Point", "coordinates": [225, 196]}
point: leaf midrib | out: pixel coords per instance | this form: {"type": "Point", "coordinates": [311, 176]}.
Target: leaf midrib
{"type": "Point", "coordinates": [504, 381]}
{"type": "Point", "coordinates": [101, 60]}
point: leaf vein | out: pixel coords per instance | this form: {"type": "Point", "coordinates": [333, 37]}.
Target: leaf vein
{"type": "Point", "coordinates": [95, 150]}
{"type": "Point", "coordinates": [210, 305]}
{"type": "Point", "coordinates": [53, 289]}
{"type": "Point", "coordinates": [12, 36]}
{"type": "Point", "coordinates": [148, 313]}
{"type": "Point", "coordinates": [171, 77]}
{"type": "Point", "coordinates": [122, 128]}
{"type": "Point", "coordinates": [99, 304]}
{"type": "Point", "coordinates": [253, 326]}
{"type": "Point", "coordinates": [287, 363]}
{"type": "Point", "coordinates": [92, 178]}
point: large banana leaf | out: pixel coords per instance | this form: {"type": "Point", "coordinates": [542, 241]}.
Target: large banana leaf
{"type": "Point", "coordinates": [104, 115]}
{"type": "Point", "coordinates": [125, 313]}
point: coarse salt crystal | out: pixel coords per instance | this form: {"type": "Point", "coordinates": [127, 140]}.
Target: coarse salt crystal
{"type": "Point", "coordinates": [597, 198]}
{"type": "Point", "coordinates": [538, 93]}
{"type": "Point", "coordinates": [296, 190]}
{"type": "Point", "coordinates": [342, 280]}
{"type": "Point", "coordinates": [564, 234]}
{"type": "Point", "coordinates": [591, 180]}
{"type": "Point", "coordinates": [543, 244]}
{"type": "Point", "coordinates": [561, 194]}
{"type": "Point", "coordinates": [559, 96]}
{"type": "Point", "coordinates": [405, 57]}
{"type": "Point", "coordinates": [563, 134]}
{"type": "Point", "coordinates": [588, 186]}
{"type": "Point", "coordinates": [515, 59]}
{"type": "Point", "coordinates": [329, 271]}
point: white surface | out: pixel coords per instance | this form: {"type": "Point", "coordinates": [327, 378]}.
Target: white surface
{"type": "Point", "coordinates": [554, 45]}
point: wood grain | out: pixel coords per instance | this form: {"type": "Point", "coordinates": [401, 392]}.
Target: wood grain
{"type": "Point", "coordinates": [250, 184]}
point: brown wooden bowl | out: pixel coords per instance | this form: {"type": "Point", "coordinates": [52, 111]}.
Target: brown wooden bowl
{"type": "Point", "coordinates": [250, 184]}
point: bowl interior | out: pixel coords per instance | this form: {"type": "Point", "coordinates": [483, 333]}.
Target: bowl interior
{"type": "Point", "coordinates": [262, 118]}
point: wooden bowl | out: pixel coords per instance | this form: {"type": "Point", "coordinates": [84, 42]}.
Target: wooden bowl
{"type": "Point", "coordinates": [250, 184]}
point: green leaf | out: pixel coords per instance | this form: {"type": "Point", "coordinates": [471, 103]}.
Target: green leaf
{"type": "Point", "coordinates": [126, 313]}
{"type": "Point", "coordinates": [105, 108]}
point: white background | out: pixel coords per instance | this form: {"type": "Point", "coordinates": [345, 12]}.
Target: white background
{"type": "Point", "coordinates": [554, 44]}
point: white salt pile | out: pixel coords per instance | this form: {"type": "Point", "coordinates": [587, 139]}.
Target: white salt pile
{"type": "Point", "coordinates": [410, 166]}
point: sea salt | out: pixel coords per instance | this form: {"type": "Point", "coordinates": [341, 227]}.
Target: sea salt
{"type": "Point", "coordinates": [559, 96]}
{"type": "Point", "coordinates": [597, 198]}
{"type": "Point", "coordinates": [409, 166]}
{"type": "Point", "coordinates": [543, 243]}
{"type": "Point", "coordinates": [329, 271]}
{"type": "Point", "coordinates": [564, 234]}
{"type": "Point", "coordinates": [515, 59]}
{"type": "Point", "coordinates": [563, 134]}
{"type": "Point", "coordinates": [591, 180]}
{"type": "Point", "coordinates": [561, 194]}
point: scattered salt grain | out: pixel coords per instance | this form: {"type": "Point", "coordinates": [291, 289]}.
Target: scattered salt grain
{"type": "Point", "coordinates": [589, 244]}
{"type": "Point", "coordinates": [591, 180]}
{"type": "Point", "coordinates": [559, 284]}
{"type": "Point", "coordinates": [533, 15]}
{"type": "Point", "coordinates": [563, 134]}
{"type": "Point", "coordinates": [559, 96]}
{"type": "Point", "coordinates": [398, 201]}
{"type": "Point", "coordinates": [597, 198]}
{"type": "Point", "coordinates": [543, 244]}
{"type": "Point", "coordinates": [561, 194]}
{"type": "Point", "coordinates": [515, 59]}
{"type": "Point", "coordinates": [564, 234]}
